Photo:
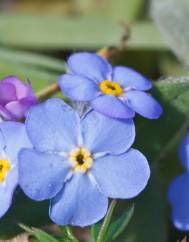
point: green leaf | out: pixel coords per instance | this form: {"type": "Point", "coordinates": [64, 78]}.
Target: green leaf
{"type": "Point", "coordinates": [48, 32]}
{"type": "Point", "coordinates": [171, 17]}
{"type": "Point", "coordinates": [39, 234]}
{"type": "Point", "coordinates": [116, 10]}
{"type": "Point", "coordinates": [120, 9]}
{"type": "Point", "coordinates": [26, 211]}
{"type": "Point", "coordinates": [117, 226]}
{"type": "Point", "coordinates": [156, 139]}
{"type": "Point", "coordinates": [149, 220]}
{"type": "Point", "coordinates": [39, 78]}
{"type": "Point", "coordinates": [173, 95]}
{"type": "Point", "coordinates": [39, 69]}
{"type": "Point", "coordinates": [32, 60]}
{"type": "Point", "coordinates": [67, 235]}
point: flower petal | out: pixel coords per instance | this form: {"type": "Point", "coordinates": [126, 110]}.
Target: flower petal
{"type": "Point", "coordinates": [53, 126]}
{"type": "Point", "coordinates": [103, 134]}
{"type": "Point", "coordinates": [41, 176]}
{"type": "Point", "coordinates": [144, 104]}
{"type": "Point", "coordinates": [184, 152]}
{"type": "Point", "coordinates": [5, 114]}
{"type": "Point", "coordinates": [7, 93]}
{"type": "Point", "coordinates": [77, 203]}
{"type": "Point", "coordinates": [7, 189]}
{"type": "Point", "coordinates": [15, 139]}
{"type": "Point", "coordinates": [78, 88]}
{"type": "Point", "coordinates": [18, 109]}
{"type": "Point", "coordinates": [127, 77]}
{"type": "Point", "coordinates": [2, 141]}
{"type": "Point", "coordinates": [111, 106]}
{"type": "Point", "coordinates": [28, 102]}
{"type": "Point", "coordinates": [179, 198]}
{"type": "Point", "coordinates": [90, 65]}
{"type": "Point", "coordinates": [21, 89]}
{"type": "Point", "coordinates": [122, 176]}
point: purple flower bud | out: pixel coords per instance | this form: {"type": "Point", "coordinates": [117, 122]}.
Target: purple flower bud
{"type": "Point", "coordinates": [15, 98]}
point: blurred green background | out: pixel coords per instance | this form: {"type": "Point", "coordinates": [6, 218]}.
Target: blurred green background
{"type": "Point", "coordinates": [60, 27]}
{"type": "Point", "coordinates": [36, 37]}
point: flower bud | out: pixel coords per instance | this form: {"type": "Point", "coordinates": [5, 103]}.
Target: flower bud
{"type": "Point", "coordinates": [15, 98]}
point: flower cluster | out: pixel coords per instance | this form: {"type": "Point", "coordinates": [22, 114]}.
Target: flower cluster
{"type": "Point", "coordinates": [75, 160]}
{"type": "Point", "coordinates": [178, 191]}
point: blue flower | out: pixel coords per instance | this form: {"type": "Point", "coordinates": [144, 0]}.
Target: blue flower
{"type": "Point", "coordinates": [178, 193]}
{"type": "Point", "coordinates": [116, 92]}
{"type": "Point", "coordinates": [78, 163]}
{"type": "Point", "coordinates": [12, 138]}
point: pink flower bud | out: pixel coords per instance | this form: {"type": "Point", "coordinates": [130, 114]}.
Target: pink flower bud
{"type": "Point", "coordinates": [15, 98]}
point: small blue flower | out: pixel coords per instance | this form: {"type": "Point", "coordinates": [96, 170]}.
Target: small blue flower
{"type": "Point", "coordinates": [78, 163]}
{"type": "Point", "coordinates": [116, 92]}
{"type": "Point", "coordinates": [178, 193]}
{"type": "Point", "coordinates": [12, 138]}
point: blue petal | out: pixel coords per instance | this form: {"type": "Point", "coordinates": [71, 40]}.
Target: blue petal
{"type": "Point", "coordinates": [41, 176]}
{"type": "Point", "coordinates": [53, 126]}
{"type": "Point", "coordinates": [111, 106]}
{"type": "Point", "coordinates": [122, 176]}
{"type": "Point", "coordinates": [7, 189]}
{"type": "Point", "coordinates": [128, 77]}
{"type": "Point", "coordinates": [179, 198]}
{"type": "Point", "coordinates": [184, 152]}
{"type": "Point", "coordinates": [12, 139]}
{"type": "Point", "coordinates": [80, 203]}
{"type": "Point", "coordinates": [15, 138]}
{"type": "Point", "coordinates": [2, 141]}
{"type": "Point", "coordinates": [144, 104]}
{"type": "Point", "coordinates": [103, 134]}
{"type": "Point", "coordinates": [90, 65]}
{"type": "Point", "coordinates": [78, 88]}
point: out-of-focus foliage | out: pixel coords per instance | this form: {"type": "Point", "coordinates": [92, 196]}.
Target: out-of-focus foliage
{"type": "Point", "coordinates": [40, 70]}
{"type": "Point", "coordinates": [55, 32]}
{"type": "Point", "coordinates": [37, 36]}
{"type": "Point", "coordinates": [38, 61]}
{"type": "Point", "coordinates": [172, 18]}
{"type": "Point", "coordinates": [119, 10]}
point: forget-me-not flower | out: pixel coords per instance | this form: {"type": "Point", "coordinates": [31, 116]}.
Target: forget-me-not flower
{"type": "Point", "coordinates": [12, 138]}
{"type": "Point", "coordinates": [78, 163]}
{"type": "Point", "coordinates": [15, 98]}
{"type": "Point", "coordinates": [179, 190]}
{"type": "Point", "coordinates": [117, 92]}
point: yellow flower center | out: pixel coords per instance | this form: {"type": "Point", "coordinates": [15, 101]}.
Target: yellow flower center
{"type": "Point", "coordinates": [4, 168]}
{"type": "Point", "coordinates": [81, 159]}
{"type": "Point", "coordinates": [109, 87]}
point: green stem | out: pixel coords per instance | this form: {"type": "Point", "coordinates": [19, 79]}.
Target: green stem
{"type": "Point", "coordinates": [68, 234]}
{"type": "Point", "coordinates": [106, 222]}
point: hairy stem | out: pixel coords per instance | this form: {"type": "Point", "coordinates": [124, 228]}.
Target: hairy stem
{"type": "Point", "coordinates": [48, 91]}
